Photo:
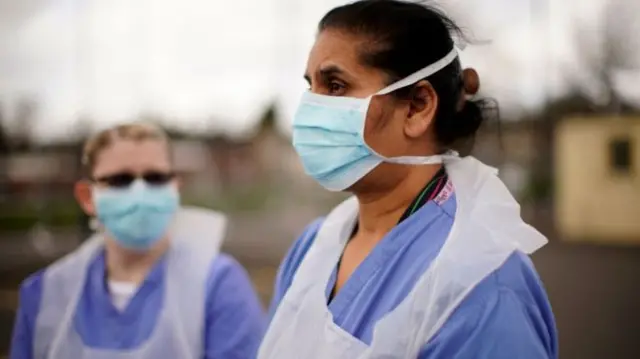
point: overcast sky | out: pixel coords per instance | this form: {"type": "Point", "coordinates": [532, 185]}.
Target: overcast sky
{"type": "Point", "coordinates": [220, 63]}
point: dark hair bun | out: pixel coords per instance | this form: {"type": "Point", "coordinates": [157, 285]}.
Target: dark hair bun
{"type": "Point", "coordinates": [468, 120]}
{"type": "Point", "coordinates": [393, 28]}
{"type": "Point", "coordinates": [462, 126]}
{"type": "Point", "coordinates": [471, 81]}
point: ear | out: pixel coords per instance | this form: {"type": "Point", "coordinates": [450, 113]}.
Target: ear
{"type": "Point", "coordinates": [83, 194]}
{"type": "Point", "coordinates": [422, 109]}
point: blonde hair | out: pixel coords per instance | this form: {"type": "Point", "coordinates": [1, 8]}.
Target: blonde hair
{"type": "Point", "coordinates": [131, 131]}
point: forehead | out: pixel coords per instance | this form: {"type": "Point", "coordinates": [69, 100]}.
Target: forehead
{"type": "Point", "coordinates": [341, 50]}
{"type": "Point", "coordinates": [132, 155]}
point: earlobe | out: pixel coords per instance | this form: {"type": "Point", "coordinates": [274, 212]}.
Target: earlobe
{"type": "Point", "coordinates": [84, 197]}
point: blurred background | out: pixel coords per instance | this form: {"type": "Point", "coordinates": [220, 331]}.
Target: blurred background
{"type": "Point", "coordinates": [224, 77]}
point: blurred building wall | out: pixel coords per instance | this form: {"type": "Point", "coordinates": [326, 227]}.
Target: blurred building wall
{"type": "Point", "coordinates": [511, 147]}
{"type": "Point", "coordinates": [597, 161]}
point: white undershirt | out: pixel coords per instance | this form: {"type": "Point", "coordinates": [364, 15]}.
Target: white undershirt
{"type": "Point", "coordinates": [121, 293]}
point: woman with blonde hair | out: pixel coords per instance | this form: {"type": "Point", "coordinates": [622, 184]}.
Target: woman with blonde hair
{"type": "Point", "coordinates": [151, 282]}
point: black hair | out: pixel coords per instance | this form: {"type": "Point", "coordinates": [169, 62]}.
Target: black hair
{"type": "Point", "coordinates": [404, 37]}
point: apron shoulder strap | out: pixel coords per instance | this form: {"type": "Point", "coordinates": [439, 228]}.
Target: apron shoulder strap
{"type": "Point", "coordinates": [62, 283]}
{"type": "Point", "coordinates": [197, 237]}
{"type": "Point", "coordinates": [327, 247]}
{"type": "Point", "coordinates": [485, 232]}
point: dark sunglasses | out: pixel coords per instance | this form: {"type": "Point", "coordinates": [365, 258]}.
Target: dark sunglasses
{"type": "Point", "coordinates": [125, 179]}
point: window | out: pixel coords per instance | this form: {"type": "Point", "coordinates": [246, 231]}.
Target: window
{"type": "Point", "coordinates": [620, 155]}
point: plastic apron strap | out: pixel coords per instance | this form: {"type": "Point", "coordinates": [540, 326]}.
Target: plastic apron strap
{"type": "Point", "coordinates": [62, 284]}
{"type": "Point", "coordinates": [487, 230]}
{"type": "Point", "coordinates": [327, 247]}
{"type": "Point", "coordinates": [302, 323]}
{"type": "Point", "coordinates": [197, 237]}
{"type": "Point", "coordinates": [474, 249]}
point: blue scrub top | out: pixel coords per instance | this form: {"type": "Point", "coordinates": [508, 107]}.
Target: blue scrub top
{"type": "Point", "coordinates": [507, 316]}
{"type": "Point", "coordinates": [234, 323]}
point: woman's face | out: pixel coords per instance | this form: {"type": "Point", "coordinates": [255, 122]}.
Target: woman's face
{"type": "Point", "coordinates": [393, 127]}
{"type": "Point", "coordinates": [124, 158]}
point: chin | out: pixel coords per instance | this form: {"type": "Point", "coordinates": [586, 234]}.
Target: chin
{"type": "Point", "coordinates": [132, 249]}
{"type": "Point", "coordinates": [362, 186]}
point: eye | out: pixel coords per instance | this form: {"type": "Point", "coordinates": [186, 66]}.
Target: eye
{"type": "Point", "coordinates": [118, 180]}
{"type": "Point", "coordinates": [335, 88]}
{"type": "Point", "coordinates": [158, 178]}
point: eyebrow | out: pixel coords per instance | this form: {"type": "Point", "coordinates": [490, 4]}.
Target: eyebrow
{"type": "Point", "coordinates": [326, 72]}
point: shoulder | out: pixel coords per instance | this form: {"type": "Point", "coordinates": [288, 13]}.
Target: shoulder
{"type": "Point", "coordinates": [517, 280]}
{"type": "Point", "coordinates": [291, 262]}
{"type": "Point", "coordinates": [506, 315]}
{"type": "Point", "coordinates": [230, 292]}
{"type": "Point", "coordinates": [31, 289]}
{"type": "Point", "coordinates": [31, 292]}
{"type": "Point", "coordinates": [33, 282]}
{"type": "Point", "coordinates": [513, 290]}
{"type": "Point", "coordinates": [224, 272]}
{"type": "Point", "coordinates": [301, 245]}
{"type": "Point", "coordinates": [30, 297]}
{"type": "Point", "coordinates": [25, 318]}
{"type": "Point", "coordinates": [518, 283]}
{"type": "Point", "coordinates": [298, 251]}
{"type": "Point", "coordinates": [235, 320]}
{"type": "Point", "coordinates": [224, 264]}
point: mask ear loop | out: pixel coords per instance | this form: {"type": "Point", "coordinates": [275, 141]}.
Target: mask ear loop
{"type": "Point", "coordinates": [410, 80]}
{"type": "Point", "coordinates": [422, 73]}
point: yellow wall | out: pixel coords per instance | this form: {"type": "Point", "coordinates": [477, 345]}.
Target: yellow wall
{"type": "Point", "coordinates": [592, 201]}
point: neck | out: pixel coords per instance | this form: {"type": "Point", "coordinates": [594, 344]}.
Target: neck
{"type": "Point", "coordinates": [381, 210]}
{"type": "Point", "coordinates": [126, 265]}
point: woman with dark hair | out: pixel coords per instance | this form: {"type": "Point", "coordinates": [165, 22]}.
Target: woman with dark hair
{"type": "Point", "coordinates": [428, 259]}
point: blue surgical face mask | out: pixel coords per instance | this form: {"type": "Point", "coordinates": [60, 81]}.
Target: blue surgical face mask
{"type": "Point", "coordinates": [138, 216]}
{"type": "Point", "coordinates": [328, 134]}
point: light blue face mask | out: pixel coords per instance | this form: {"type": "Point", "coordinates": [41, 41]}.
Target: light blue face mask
{"type": "Point", "coordinates": [328, 134]}
{"type": "Point", "coordinates": [137, 216]}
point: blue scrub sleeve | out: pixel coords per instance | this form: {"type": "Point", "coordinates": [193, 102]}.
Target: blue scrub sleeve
{"type": "Point", "coordinates": [29, 304]}
{"type": "Point", "coordinates": [291, 262]}
{"type": "Point", "coordinates": [235, 320]}
{"type": "Point", "coordinates": [499, 326]}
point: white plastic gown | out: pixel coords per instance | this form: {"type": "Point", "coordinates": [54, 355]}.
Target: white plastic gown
{"type": "Point", "coordinates": [196, 238]}
{"type": "Point", "coordinates": [487, 229]}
